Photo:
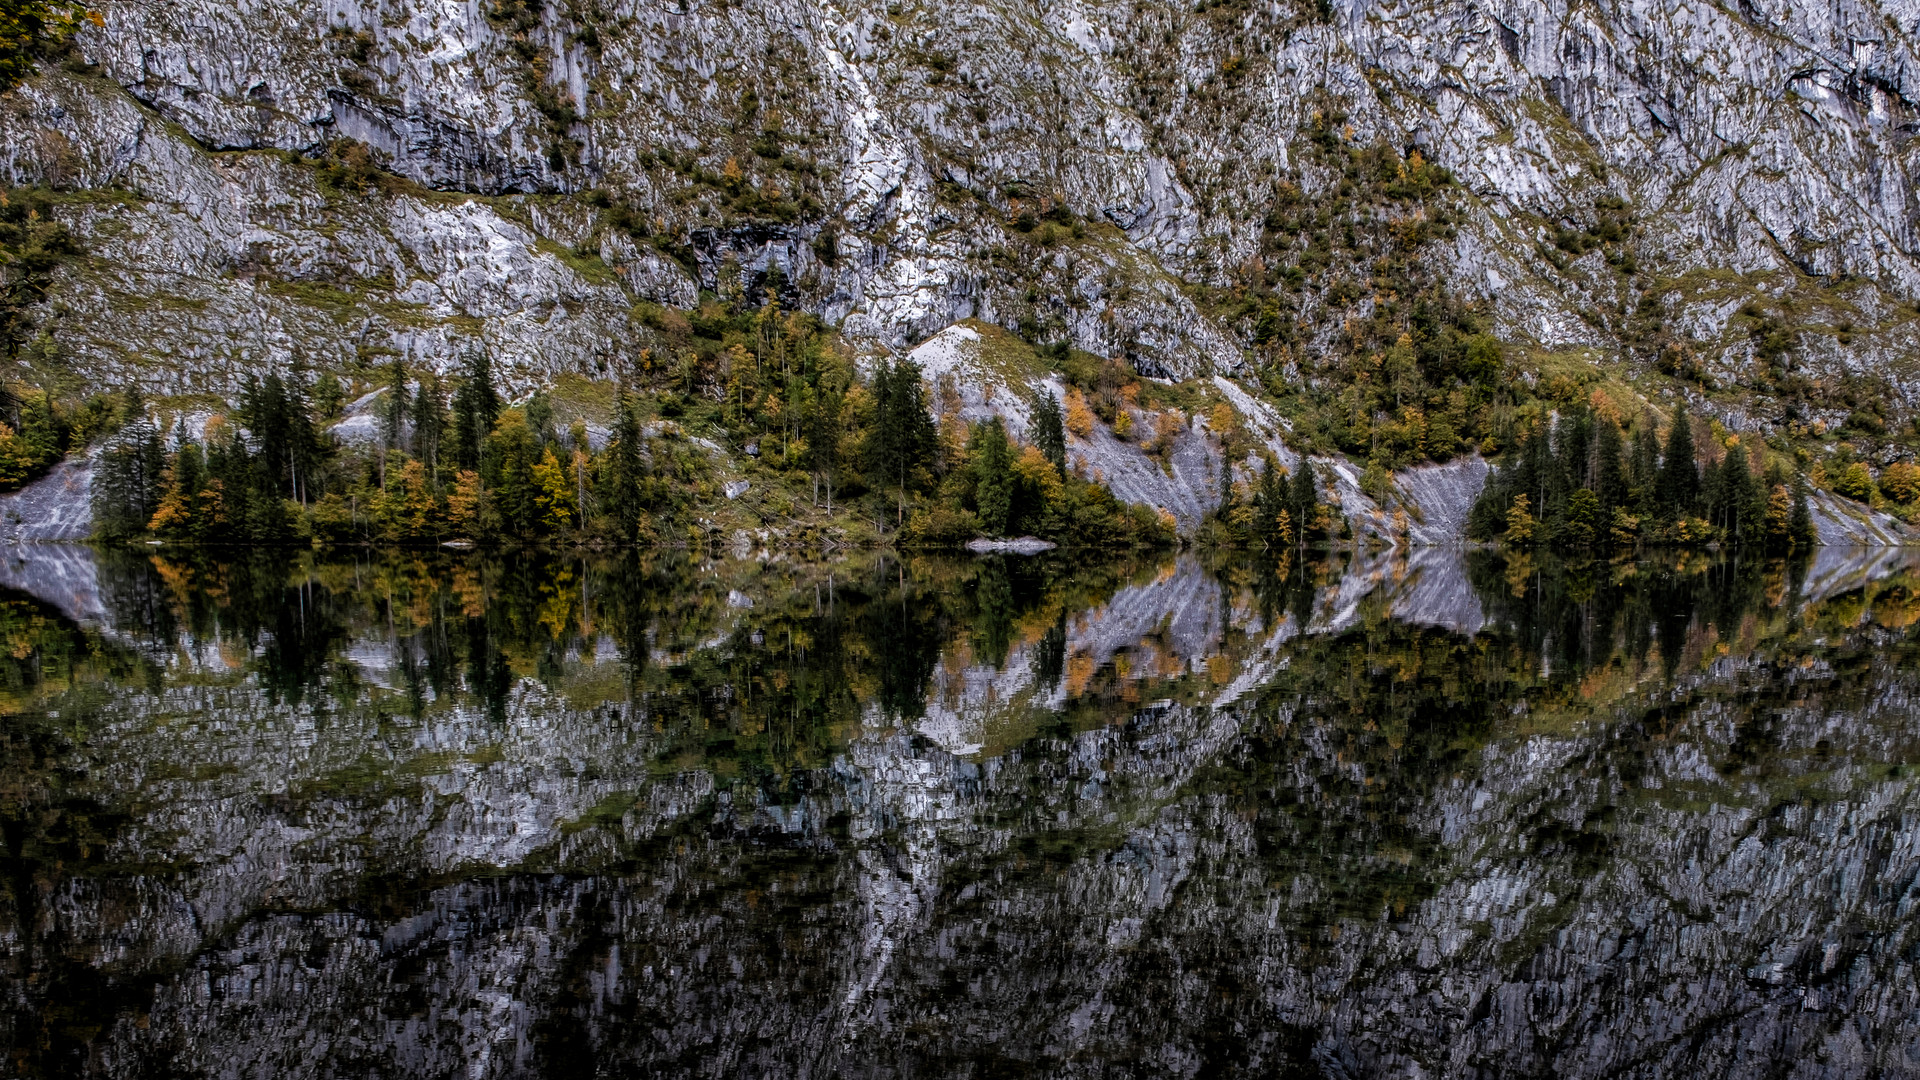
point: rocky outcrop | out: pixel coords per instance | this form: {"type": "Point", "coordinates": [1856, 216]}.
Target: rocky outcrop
{"type": "Point", "coordinates": [902, 144]}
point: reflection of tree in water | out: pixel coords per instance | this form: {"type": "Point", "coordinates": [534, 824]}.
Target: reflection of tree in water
{"type": "Point", "coordinates": [53, 827]}
{"type": "Point", "coordinates": [994, 612]}
{"type": "Point", "coordinates": [907, 636]}
{"type": "Point", "coordinates": [262, 601]}
{"type": "Point", "coordinates": [1050, 654]}
{"type": "Point", "coordinates": [1311, 803]}
{"type": "Point", "coordinates": [1580, 615]}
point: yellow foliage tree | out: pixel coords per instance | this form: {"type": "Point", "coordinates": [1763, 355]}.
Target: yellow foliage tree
{"type": "Point", "coordinates": [1033, 468]}
{"type": "Point", "coordinates": [1520, 523]}
{"type": "Point", "coordinates": [1901, 481]}
{"type": "Point", "coordinates": [463, 502]}
{"type": "Point", "coordinates": [554, 493]}
{"type": "Point", "coordinates": [15, 459]}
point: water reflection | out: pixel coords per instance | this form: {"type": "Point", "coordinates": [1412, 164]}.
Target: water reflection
{"type": "Point", "coordinates": [1431, 813]}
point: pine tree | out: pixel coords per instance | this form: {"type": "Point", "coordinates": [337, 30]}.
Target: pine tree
{"type": "Point", "coordinates": [821, 430]}
{"type": "Point", "coordinates": [1302, 500]}
{"type": "Point", "coordinates": [476, 408]}
{"type": "Point", "coordinates": [1050, 432]}
{"type": "Point", "coordinates": [1801, 533]}
{"type": "Point", "coordinates": [991, 458]}
{"type": "Point", "coordinates": [625, 466]}
{"type": "Point", "coordinates": [1644, 470]}
{"type": "Point", "coordinates": [1734, 492]}
{"type": "Point", "coordinates": [1609, 470]}
{"type": "Point", "coordinates": [394, 407]}
{"type": "Point", "coordinates": [1678, 487]}
{"type": "Point", "coordinates": [1270, 509]}
{"type": "Point", "coordinates": [429, 424]}
{"type": "Point", "coordinates": [126, 485]}
{"type": "Point", "coordinates": [903, 439]}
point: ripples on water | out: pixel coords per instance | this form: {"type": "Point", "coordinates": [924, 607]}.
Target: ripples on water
{"type": "Point", "coordinates": [1437, 815]}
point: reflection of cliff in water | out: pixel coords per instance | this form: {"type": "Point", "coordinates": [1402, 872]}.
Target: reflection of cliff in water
{"type": "Point", "coordinates": [437, 816]}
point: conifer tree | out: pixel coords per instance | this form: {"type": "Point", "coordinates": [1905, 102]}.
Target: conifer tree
{"type": "Point", "coordinates": [1270, 509]}
{"type": "Point", "coordinates": [1678, 487]}
{"type": "Point", "coordinates": [903, 439]}
{"type": "Point", "coordinates": [1609, 470]}
{"type": "Point", "coordinates": [429, 424]}
{"type": "Point", "coordinates": [1801, 533]}
{"type": "Point", "coordinates": [476, 408]}
{"type": "Point", "coordinates": [1643, 470]}
{"type": "Point", "coordinates": [625, 467]}
{"type": "Point", "coordinates": [126, 486]}
{"type": "Point", "coordinates": [991, 458]}
{"type": "Point", "coordinates": [394, 407]}
{"type": "Point", "coordinates": [1050, 431]}
{"type": "Point", "coordinates": [1302, 500]}
{"type": "Point", "coordinates": [822, 434]}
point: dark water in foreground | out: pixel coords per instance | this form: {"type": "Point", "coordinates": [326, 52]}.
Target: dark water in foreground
{"type": "Point", "coordinates": [1439, 816]}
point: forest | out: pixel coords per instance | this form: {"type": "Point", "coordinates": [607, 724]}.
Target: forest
{"type": "Point", "coordinates": [1580, 483]}
{"type": "Point", "coordinates": [454, 461]}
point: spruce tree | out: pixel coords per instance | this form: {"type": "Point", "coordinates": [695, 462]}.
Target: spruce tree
{"type": "Point", "coordinates": [394, 407]}
{"type": "Point", "coordinates": [821, 430]}
{"type": "Point", "coordinates": [126, 484]}
{"type": "Point", "coordinates": [991, 458]}
{"type": "Point", "coordinates": [1644, 470]}
{"type": "Point", "coordinates": [1678, 487]}
{"type": "Point", "coordinates": [476, 407]}
{"type": "Point", "coordinates": [1734, 490]}
{"type": "Point", "coordinates": [1801, 533]}
{"type": "Point", "coordinates": [1270, 509]}
{"type": "Point", "coordinates": [1050, 431]}
{"type": "Point", "coordinates": [903, 439]}
{"type": "Point", "coordinates": [1609, 470]}
{"type": "Point", "coordinates": [429, 423]}
{"type": "Point", "coordinates": [1303, 499]}
{"type": "Point", "coordinates": [625, 465]}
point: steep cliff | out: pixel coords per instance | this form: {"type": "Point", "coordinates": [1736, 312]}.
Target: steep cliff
{"type": "Point", "coordinates": [882, 157]}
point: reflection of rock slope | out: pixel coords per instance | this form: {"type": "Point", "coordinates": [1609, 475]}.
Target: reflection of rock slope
{"type": "Point", "coordinates": [63, 575]}
{"type": "Point", "coordinates": [1171, 624]}
{"type": "Point", "coordinates": [1836, 570]}
{"type": "Point", "coordinates": [1124, 898]}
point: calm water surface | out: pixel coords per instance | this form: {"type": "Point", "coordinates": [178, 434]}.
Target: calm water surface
{"type": "Point", "coordinates": [1390, 815]}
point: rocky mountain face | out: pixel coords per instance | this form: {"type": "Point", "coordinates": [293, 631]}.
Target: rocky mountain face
{"type": "Point", "coordinates": [1629, 177]}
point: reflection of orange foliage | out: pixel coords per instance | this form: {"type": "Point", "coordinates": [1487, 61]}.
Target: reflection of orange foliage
{"type": "Point", "coordinates": [556, 612]}
{"type": "Point", "coordinates": [1896, 610]}
{"type": "Point", "coordinates": [473, 598]}
{"type": "Point", "coordinates": [1079, 673]}
{"type": "Point", "coordinates": [178, 579]}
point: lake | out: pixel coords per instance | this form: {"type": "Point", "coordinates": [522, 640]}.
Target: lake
{"type": "Point", "coordinates": [1391, 814]}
